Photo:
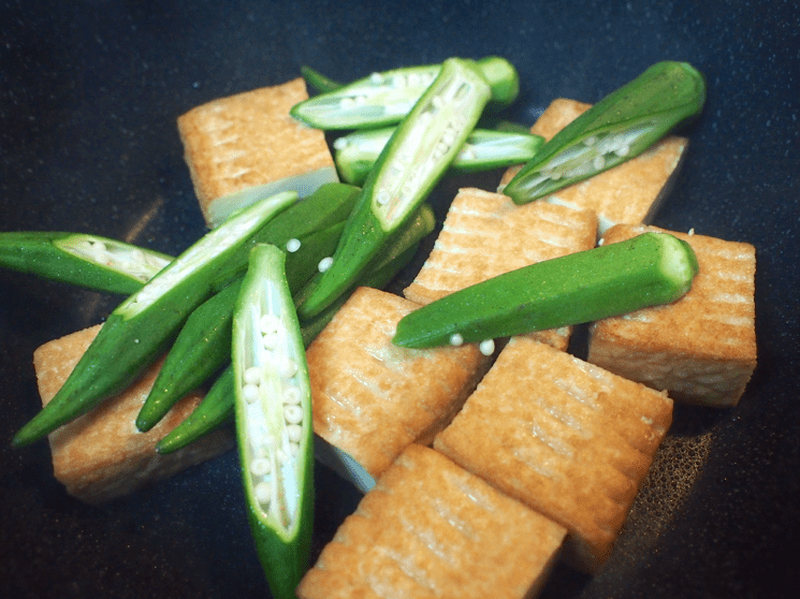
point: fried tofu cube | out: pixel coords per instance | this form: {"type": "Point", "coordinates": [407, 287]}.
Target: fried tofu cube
{"type": "Point", "coordinates": [371, 399]}
{"type": "Point", "coordinates": [702, 348]}
{"type": "Point", "coordinates": [485, 234]}
{"type": "Point", "coordinates": [248, 146]}
{"type": "Point", "coordinates": [566, 438]}
{"type": "Point", "coordinates": [101, 455]}
{"type": "Point", "coordinates": [430, 529]}
{"type": "Point", "coordinates": [628, 193]}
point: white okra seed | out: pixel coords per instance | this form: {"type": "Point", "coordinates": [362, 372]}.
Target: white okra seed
{"type": "Point", "coordinates": [260, 467]}
{"type": "Point", "coordinates": [252, 376]}
{"type": "Point", "coordinates": [294, 432]}
{"type": "Point", "coordinates": [269, 323]}
{"type": "Point", "coordinates": [270, 340]}
{"type": "Point", "coordinates": [287, 367]}
{"type": "Point", "coordinates": [292, 396]}
{"type": "Point", "coordinates": [456, 339]}
{"type": "Point", "coordinates": [293, 414]}
{"type": "Point", "coordinates": [325, 264]}
{"type": "Point", "coordinates": [487, 347]}
{"type": "Point", "coordinates": [263, 493]}
{"type": "Point", "coordinates": [293, 245]}
{"type": "Point", "coordinates": [250, 393]}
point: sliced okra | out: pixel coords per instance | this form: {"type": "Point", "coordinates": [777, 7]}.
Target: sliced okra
{"type": "Point", "coordinates": [484, 149]}
{"type": "Point", "coordinates": [648, 270]}
{"type": "Point", "coordinates": [319, 82]}
{"type": "Point", "coordinates": [410, 165]}
{"type": "Point", "coordinates": [386, 98]}
{"type": "Point", "coordinates": [203, 344]}
{"type": "Point", "coordinates": [214, 410]}
{"type": "Point", "coordinates": [139, 329]}
{"type": "Point", "coordinates": [619, 127]}
{"type": "Point", "coordinates": [273, 420]}
{"type": "Point", "coordinates": [89, 261]}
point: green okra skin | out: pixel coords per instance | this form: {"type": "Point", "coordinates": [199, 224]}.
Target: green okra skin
{"type": "Point", "coordinates": [273, 421]}
{"type": "Point", "coordinates": [356, 153]}
{"type": "Point", "coordinates": [386, 98]}
{"type": "Point", "coordinates": [215, 409]}
{"type": "Point", "coordinates": [619, 127]}
{"type": "Point", "coordinates": [142, 326]}
{"type": "Point", "coordinates": [318, 81]}
{"type": "Point", "coordinates": [647, 270]}
{"type": "Point", "coordinates": [410, 165]}
{"type": "Point", "coordinates": [89, 261]}
{"type": "Point", "coordinates": [203, 344]}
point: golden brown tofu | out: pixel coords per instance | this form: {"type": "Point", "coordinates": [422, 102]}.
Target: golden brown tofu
{"type": "Point", "coordinates": [429, 529]}
{"type": "Point", "coordinates": [485, 234]}
{"type": "Point", "coordinates": [628, 193]}
{"type": "Point", "coordinates": [567, 438]}
{"type": "Point", "coordinates": [372, 399]}
{"type": "Point", "coordinates": [702, 348]}
{"type": "Point", "coordinates": [248, 143]}
{"type": "Point", "coordinates": [101, 455]}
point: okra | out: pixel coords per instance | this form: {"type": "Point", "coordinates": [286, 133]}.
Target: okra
{"type": "Point", "coordinates": [139, 329]}
{"type": "Point", "coordinates": [619, 127]}
{"type": "Point", "coordinates": [321, 83]}
{"type": "Point", "coordinates": [485, 149]}
{"type": "Point", "coordinates": [214, 410]}
{"type": "Point", "coordinates": [648, 270]}
{"type": "Point", "coordinates": [203, 344]}
{"type": "Point", "coordinates": [386, 98]}
{"type": "Point", "coordinates": [273, 420]}
{"type": "Point", "coordinates": [89, 261]}
{"type": "Point", "coordinates": [410, 165]}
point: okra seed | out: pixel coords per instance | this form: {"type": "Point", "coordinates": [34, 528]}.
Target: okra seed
{"type": "Point", "coordinates": [376, 79]}
{"type": "Point", "coordinates": [287, 367]}
{"type": "Point", "coordinates": [282, 457]}
{"type": "Point", "coordinates": [260, 467]}
{"type": "Point", "coordinates": [270, 340]}
{"type": "Point", "coordinates": [293, 245]}
{"type": "Point", "coordinates": [263, 493]}
{"type": "Point", "coordinates": [269, 323]}
{"type": "Point", "coordinates": [294, 449]}
{"type": "Point", "coordinates": [598, 163]}
{"type": "Point", "coordinates": [250, 393]}
{"type": "Point", "coordinates": [292, 395]}
{"type": "Point", "coordinates": [252, 376]}
{"type": "Point", "coordinates": [487, 347]}
{"type": "Point", "coordinates": [294, 432]}
{"type": "Point", "coordinates": [622, 151]}
{"type": "Point", "coordinates": [325, 264]}
{"type": "Point", "coordinates": [456, 339]}
{"type": "Point", "coordinates": [293, 414]}
{"type": "Point", "coordinates": [347, 102]}
{"type": "Point", "coordinates": [590, 141]}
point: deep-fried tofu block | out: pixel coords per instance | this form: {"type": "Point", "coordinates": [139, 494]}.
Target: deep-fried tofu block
{"type": "Point", "coordinates": [567, 438]}
{"type": "Point", "coordinates": [429, 529]}
{"type": "Point", "coordinates": [485, 234]}
{"type": "Point", "coordinates": [101, 455]}
{"type": "Point", "coordinates": [628, 193]}
{"type": "Point", "coordinates": [371, 399]}
{"type": "Point", "coordinates": [248, 143]}
{"type": "Point", "coordinates": [702, 348]}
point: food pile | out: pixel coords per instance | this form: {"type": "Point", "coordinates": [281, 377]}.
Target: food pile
{"type": "Point", "coordinates": [481, 443]}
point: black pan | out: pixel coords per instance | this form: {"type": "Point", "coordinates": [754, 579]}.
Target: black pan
{"type": "Point", "coordinates": [89, 94]}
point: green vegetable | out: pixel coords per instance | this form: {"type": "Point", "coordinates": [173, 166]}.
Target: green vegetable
{"type": "Point", "coordinates": [89, 261]}
{"type": "Point", "coordinates": [273, 421]}
{"type": "Point", "coordinates": [410, 165]}
{"type": "Point", "coordinates": [215, 409]}
{"type": "Point", "coordinates": [386, 98]}
{"type": "Point", "coordinates": [619, 127]}
{"type": "Point", "coordinates": [320, 82]}
{"type": "Point", "coordinates": [139, 329]}
{"type": "Point", "coordinates": [484, 149]}
{"type": "Point", "coordinates": [648, 270]}
{"type": "Point", "coordinates": [203, 345]}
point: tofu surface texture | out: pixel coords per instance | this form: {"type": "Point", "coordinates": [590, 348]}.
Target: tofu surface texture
{"type": "Point", "coordinates": [429, 529]}
{"type": "Point", "coordinates": [247, 143]}
{"type": "Point", "coordinates": [567, 438]}
{"type": "Point", "coordinates": [630, 192]}
{"type": "Point", "coordinates": [485, 234]}
{"type": "Point", "coordinates": [371, 398]}
{"type": "Point", "coordinates": [702, 348]}
{"type": "Point", "coordinates": [101, 455]}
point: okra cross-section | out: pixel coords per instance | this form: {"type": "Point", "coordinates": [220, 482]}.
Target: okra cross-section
{"type": "Point", "coordinates": [410, 165]}
{"type": "Point", "coordinates": [273, 420]}
{"type": "Point", "coordinates": [619, 127]}
{"type": "Point", "coordinates": [648, 270]}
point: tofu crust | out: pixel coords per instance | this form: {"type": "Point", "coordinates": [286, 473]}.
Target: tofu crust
{"type": "Point", "coordinates": [567, 438]}
{"type": "Point", "coordinates": [101, 455]}
{"type": "Point", "coordinates": [485, 234]}
{"type": "Point", "coordinates": [430, 529]}
{"type": "Point", "coordinates": [628, 193]}
{"type": "Point", "coordinates": [371, 398]}
{"type": "Point", "coordinates": [702, 348]}
{"type": "Point", "coordinates": [249, 140]}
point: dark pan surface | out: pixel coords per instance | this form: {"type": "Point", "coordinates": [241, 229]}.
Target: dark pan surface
{"type": "Point", "coordinates": [89, 94]}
